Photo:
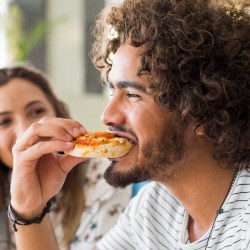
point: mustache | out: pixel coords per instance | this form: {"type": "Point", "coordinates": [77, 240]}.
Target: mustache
{"type": "Point", "coordinates": [121, 128]}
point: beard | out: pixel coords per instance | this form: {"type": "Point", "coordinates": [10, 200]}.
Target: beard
{"type": "Point", "coordinates": [160, 157]}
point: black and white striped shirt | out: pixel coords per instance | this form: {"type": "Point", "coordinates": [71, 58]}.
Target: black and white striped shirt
{"type": "Point", "coordinates": [155, 220]}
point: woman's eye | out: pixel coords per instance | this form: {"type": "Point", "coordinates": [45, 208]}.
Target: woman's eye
{"type": "Point", "coordinates": [5, 122]}
{"type": "Point", "coordinates": [37, 112]}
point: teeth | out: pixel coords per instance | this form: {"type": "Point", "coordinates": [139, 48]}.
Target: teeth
{"type": "Point", "coordinates": [132, 142]}
{"type": "Point", "coordinates": [129, 140]}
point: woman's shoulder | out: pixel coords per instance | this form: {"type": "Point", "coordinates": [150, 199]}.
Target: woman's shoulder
{"type": "Point", "coordinates": [96, 187]}
{"type": "Point", "coordinates": [95, 169]}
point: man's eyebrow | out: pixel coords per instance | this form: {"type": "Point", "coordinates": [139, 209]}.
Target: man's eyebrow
{"type": "Point", "coordinates": [128, 84]}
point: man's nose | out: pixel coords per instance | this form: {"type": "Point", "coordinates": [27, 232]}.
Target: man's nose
{"type": "Point", "coordinates": [114, 113]}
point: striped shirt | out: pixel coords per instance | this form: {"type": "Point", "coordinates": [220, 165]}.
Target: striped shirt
{"type": "Point", "coordinates": [155, 220]}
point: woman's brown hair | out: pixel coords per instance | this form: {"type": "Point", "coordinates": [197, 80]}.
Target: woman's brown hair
{"type": "Point", "coordinates": [197, 55]}
{"type": "Point", "coordinates": [71, 209]}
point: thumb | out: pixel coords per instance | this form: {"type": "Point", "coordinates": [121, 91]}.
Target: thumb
{"type": "Point", "coordinates": [67, 162]}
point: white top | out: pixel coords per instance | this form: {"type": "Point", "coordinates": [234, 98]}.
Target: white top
{"type": "Point", "coordinates": [103, 205]}
{"type": "Point", "coordinates": [155, 220]}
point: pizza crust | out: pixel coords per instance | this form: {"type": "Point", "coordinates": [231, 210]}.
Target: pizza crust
{"type": "Point", "coordinates": [103, 147]}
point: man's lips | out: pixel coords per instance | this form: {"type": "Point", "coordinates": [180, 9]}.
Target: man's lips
{"type": "Point", "coordinates": [129, 137]}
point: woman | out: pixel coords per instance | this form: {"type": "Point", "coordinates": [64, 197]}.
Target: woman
{"type": "Point", "coordinates": [86, 201]}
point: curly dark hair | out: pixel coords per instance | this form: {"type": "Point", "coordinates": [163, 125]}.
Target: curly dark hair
{"type": "Point", "coordinates": [197, 55]}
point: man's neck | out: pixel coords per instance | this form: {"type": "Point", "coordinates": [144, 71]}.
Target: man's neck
{"type": "Point", "coordinates": [201, 188]}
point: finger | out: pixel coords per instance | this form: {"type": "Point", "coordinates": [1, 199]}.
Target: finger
{"type": "Point", "coordinates": [38, 132]}
{"type": "Point", "coordinates": [73, 127]}
{"type": "Point", "coordinates": [43, 147]}
{"type": "Point", "coordinates": [67, 162]}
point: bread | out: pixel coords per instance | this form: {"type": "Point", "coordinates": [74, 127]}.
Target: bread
{"type": "Point", "coordinates": [100, 145]}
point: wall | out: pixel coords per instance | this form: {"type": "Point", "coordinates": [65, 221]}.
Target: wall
{"type": "Point", "coordinates": [66, 64]}
{"type": "Point", "coordinates": [4, 58]}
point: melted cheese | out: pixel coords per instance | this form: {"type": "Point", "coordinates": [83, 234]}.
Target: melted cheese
{"type": "Point", "coordinates": [99, 138]}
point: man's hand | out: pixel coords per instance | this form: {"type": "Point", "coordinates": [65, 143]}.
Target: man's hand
{"type": "Point", "coordinates": [38, 170]}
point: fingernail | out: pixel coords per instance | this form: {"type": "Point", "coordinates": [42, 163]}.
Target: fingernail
{"type": "Point", "coordinates": [76, 131]}
{"type": "Point", "coordinates": [83, 130]}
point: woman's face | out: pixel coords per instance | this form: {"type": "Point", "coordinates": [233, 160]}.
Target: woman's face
{"type": "Point", "coordinates": [22, 103]}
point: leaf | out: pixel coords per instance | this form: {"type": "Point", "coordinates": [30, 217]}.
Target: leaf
{"type": "Point", "coordinates": [22, 43]}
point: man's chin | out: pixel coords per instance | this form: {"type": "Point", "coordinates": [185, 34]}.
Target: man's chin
{"type": "Point", "coordinates": [119, 178]}
{"type": "Point", "coordinates": [115, 178]}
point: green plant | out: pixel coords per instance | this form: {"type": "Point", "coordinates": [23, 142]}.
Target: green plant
{"type": "Point", "coordinates": [22, 42]}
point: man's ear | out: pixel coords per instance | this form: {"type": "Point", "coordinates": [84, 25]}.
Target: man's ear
{"type": "Point", "coordinates": [199, 131]}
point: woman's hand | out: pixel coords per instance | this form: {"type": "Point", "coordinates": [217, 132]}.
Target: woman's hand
{"type": "Point", "coordinates": [38, 170]}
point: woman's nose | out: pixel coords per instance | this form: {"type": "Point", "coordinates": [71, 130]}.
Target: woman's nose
{"type": "Point", "coordinates": [21, 126]}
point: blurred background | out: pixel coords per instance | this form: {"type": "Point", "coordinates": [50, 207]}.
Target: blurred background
{"type": "Point", "coordinates": [55, 36]}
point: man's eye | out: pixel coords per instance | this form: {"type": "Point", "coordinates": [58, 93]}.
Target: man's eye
{"type": "Point", "coordinates": [111, 93]}
{"type": "Point", "coordinates": [132, 95]}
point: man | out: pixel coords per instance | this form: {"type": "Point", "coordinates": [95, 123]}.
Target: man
{"type": "Point", "coordinates": [178, 73]}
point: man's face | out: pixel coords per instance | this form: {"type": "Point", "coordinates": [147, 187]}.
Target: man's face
{"type": "Point", "coordinates": [132, 112]}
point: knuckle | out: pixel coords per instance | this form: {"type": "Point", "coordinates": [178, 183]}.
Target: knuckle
{"type": "Point", "coordinates": [14, 149]}
{"type": "Point", "coordinates": [36, 147]}
{"type": "Point", "coordinates": [44, 119]}
{"type": "Point", "coordinates": [34, 126]}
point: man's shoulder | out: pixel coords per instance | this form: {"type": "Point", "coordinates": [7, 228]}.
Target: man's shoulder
{"type": "Point", "coordinates": [244, 178]}
{"type": "Point", "coordinates": [153, 196]}
{"type": "Point", "coordinates": [155, 190]}
{"type": "Point", "coordinates": [242, 190]}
